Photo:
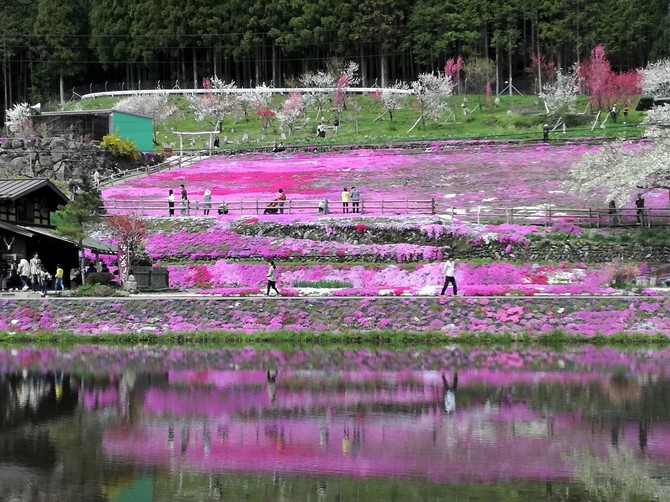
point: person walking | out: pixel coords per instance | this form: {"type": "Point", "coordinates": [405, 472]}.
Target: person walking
{"type": "Point", "coordinates": [24, 274]}
{"type": "Point", "coordinates": [449, 275]}
{"type": "Point", "coordinates": [184, 200]}
{"type": "Point", "coordinates": [59, 278]}
{"type": "Point", "coordinates": [272, 278]}
{"type": "Point", "coordinates": [171, 202]}
{"type": "Point", "coordinates": [345, 200]}
{"type": "Point", "coordinates": [35, 270]}
{"type": "Point", "coordinates": [355, 200]}
{"type": "Point", "coordinates": [206, 202]}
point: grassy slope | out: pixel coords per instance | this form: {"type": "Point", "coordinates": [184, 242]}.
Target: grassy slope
{"type": "Point", "coordinates": [516, 117]}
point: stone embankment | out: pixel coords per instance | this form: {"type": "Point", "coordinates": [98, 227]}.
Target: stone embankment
{"type": "Point", "coordinates": [465, 247]}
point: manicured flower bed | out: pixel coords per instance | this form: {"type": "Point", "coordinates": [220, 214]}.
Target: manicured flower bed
{"type": "Point", "coordinates": [584, 316]}
{"type": "Point", "coordinates": [423, 279]}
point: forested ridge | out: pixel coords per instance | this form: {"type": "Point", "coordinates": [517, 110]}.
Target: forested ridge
{"type": "Point", "coordinates": [145, 43]}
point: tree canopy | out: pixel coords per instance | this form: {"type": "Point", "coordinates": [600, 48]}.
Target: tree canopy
{"type": "Point", "coordinates": [138, 43]}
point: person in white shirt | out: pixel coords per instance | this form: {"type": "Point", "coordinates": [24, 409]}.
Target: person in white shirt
{"type": "Point", "coordinates": [24, 273]}
{"type": "Point", "coordinates": [449, 273]}
{"type": "Point", "coordinates": [171, 202]}
{"type": "Point", "coordinates": [272, 278]}
{"type": "Point", "coordinates": [35, 269]}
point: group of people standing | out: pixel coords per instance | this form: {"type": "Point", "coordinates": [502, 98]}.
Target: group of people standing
{"type": "Point", "coordinates": [183, 206]}
{"type": "Point", "coordinates": [352, 196]}
{"type": "Point", "coordinates": [184, 202]}
{"type": "Point", "coordinates": [32, 274]}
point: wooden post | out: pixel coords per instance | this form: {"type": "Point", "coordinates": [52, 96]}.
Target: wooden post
{"type": "Point", "coordinates": [432, 206]}
{"type": "Point", "coordinates": [257, 211]}
{"type": "Point", "coordinates": [382, 206]}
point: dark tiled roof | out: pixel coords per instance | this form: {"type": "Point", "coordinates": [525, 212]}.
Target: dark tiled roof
{"type": "Point", "coordinates": [12, 189]}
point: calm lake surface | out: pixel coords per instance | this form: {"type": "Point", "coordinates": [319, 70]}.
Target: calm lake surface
{"type": "Point", "coordinates": [190, 424]}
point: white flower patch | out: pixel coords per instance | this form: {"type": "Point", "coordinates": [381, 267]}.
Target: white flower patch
{"type": "Point", "coordinates": [428, 291]}
{"type": "Point", "coordinates": [566, 276]}
{"type": "Point", "coordinates": [14, 321]}
{"type": "Point", "coordinates": [314, 291]}
{"type": "Point", "coordinates": [489, 237]}
{"type": "Point", "coordinates": [386, 292]}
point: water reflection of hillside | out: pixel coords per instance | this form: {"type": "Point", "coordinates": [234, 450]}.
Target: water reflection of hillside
{"type": "Point", "coordinates": [522, 423]}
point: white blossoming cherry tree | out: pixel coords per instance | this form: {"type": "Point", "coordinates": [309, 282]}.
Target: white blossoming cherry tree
{"type": "Point", "coordinates": [618, 171]}
{"type": "Point", "coordinates": [156, 105]}
{"type": "Point", "coordinates": [431, 93]}
{"type": "Point", "coordinates": [215, 105]}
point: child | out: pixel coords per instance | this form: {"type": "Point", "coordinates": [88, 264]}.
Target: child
{"type": "Point", "coordinates": [45, 277]}
{"type": "Point", "coordinates": [59, 278]}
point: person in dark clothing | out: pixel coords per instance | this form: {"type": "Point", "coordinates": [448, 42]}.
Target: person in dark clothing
{"type": "Point", "coordinates": [545, 133]}
{"type": "Point", "coordinates": [639, 204]}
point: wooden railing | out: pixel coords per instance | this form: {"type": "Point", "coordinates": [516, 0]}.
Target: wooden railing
{"type": "Point", "coordinates": [143, 206]}
{"type": "Point", "coordinates": [547, 215]}
{"type": "Point", "coordinates": [171, 163]}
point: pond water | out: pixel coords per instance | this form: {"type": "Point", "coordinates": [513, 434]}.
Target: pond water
{"type": "Point", "coordinates": [148, 423]}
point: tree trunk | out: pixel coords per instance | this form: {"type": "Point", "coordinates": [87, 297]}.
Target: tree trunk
{"type": "Point", "coordinates": [195, 69]}
{"type": "Point", "coordinates": [276, 71]}
{"type": "Point", "coordinates": [497, 70]}
{"type": "Point", "coordinates": [364, 70]}
{"type": "Point", "coordinates": [509, 68]}
{"type": "Point", "coordinates": [61, 79]}
{"type": "Point", "coordinates": [384, 68]}
{"type": "Point", "coordinates": [257, 67]}
{"type": "Point", "coordinates": [6, 89]}
{"type": "Point", "coordinates": [182, 73]}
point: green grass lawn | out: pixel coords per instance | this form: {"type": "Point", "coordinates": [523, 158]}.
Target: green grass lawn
{"type": "Point", "coordinates": [514, 118]}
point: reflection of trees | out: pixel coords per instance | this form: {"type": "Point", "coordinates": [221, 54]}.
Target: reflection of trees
{"type": "Point", "coordinates": [34, 398]}
{"type": "Point", "coordinates": [188, 486]}
{"type": "Point", "coordinates": [50, 444]}
{"type": "Point", "coordinates": [621, 476]}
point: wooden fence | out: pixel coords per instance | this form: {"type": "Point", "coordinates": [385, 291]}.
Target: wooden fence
{"type": "Point", "coordinates": [171, 163]}
{"type": "Point", "coordinates": [541, 215]}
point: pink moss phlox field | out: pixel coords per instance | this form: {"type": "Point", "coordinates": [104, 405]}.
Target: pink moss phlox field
{"type": "Point", "coordinates": [220, 243]}
{"type": "Point", "coordinates": [475, 279]}
{"type": "Point", "coordinates": [583, 316]}
{"type": "Point", "coordinates": [462, 177]}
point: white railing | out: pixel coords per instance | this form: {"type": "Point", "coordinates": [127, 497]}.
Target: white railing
{"type": "Point", "coordinates": [237, 90]}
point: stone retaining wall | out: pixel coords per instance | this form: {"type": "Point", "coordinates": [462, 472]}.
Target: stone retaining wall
{"type": "Point", "coordinates": [573, 250]}
{"type": "Point", "coordinates": [580, 315]}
